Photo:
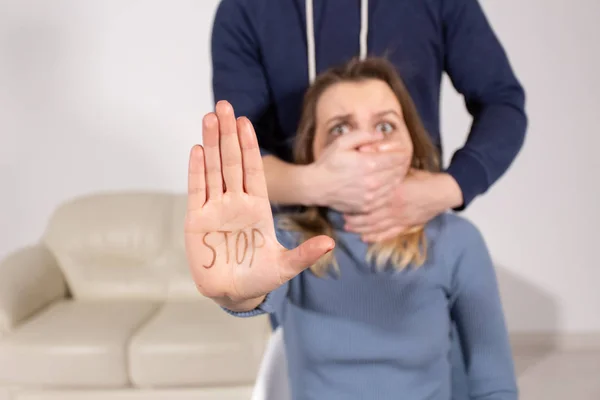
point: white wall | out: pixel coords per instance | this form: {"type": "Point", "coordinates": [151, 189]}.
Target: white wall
{"type": "Point", "coordinates": [96, 95]}
{"type": "Point", "coordinates": [109, 94]}
{"type": "Point", "coordinates": [542, 219]}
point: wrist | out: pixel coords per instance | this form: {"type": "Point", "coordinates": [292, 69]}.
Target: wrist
{"type": "Point", "coordinates": [239, 305]}
{"type": "Point", "coordinates": [450, 192]}
{"type": "Point", "coordinates": [310, 184]}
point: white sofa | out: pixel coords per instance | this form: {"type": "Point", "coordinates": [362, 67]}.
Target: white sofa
{"type": "Point", "coordinates": [104, 307]}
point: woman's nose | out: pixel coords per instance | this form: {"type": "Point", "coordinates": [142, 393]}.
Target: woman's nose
{"type": "Point", "coordinates": [371, 147]}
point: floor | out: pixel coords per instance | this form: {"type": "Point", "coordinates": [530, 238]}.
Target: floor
{"type": "Point", "coordinates": [566, 375]}
{"type": "Point", "coordinates": [550, 375]}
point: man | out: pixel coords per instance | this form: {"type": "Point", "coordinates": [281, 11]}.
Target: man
{"type": "Point", "coordinates": [265, 53]}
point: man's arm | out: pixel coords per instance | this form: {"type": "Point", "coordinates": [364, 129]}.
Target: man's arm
{"type": "Point", "coordinates": [239, 77]}
{"type": "Point", "coordinates": [480, 70]}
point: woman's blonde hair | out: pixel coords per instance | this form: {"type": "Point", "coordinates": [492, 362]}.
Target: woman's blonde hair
{"type": "Point", "coordinates": [408, 247]}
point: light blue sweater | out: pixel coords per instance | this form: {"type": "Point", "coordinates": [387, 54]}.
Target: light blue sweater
{"type": "Point", "coordinates": [386, 335]}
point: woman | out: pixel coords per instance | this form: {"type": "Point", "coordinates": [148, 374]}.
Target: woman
{"type": "Point", "coordinates": [361, 321]}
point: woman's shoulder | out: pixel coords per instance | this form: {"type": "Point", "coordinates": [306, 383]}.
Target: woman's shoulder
{"type": "Point", "coordinates": [452, 222]}
{"type": "Point", "coordinates": [454, 231]}
{"type": "Point", "coordinates": [458, 244]}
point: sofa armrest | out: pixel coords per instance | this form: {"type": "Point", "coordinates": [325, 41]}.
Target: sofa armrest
{"type": "Point", "coordinates": [30, 279]}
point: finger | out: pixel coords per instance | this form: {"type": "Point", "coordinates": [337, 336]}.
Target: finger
{"type": "Point", "coordinates": [385, 160]}
{"type": "Point", "coordinates": [212, 156]}
{"type": "Point", "coordinates": [375, 221]}
{"type": "Point", "coordinates": [383, 146]}
{"type": "Point", "coordinates": [389, 146]}
{"type": "Point", "coordinates": [387, 192]}
{"type": "Point", "coordinates": [399, 160]}
{"type": "Point", "coordinates": [358, 221]}
{"type": "Point", "coordinates": [372, 228]}
{"type": "Point", "coordinates": [231, 154]}
{"type": "Point", "coordinates": [254, 175]}
{"type": "Point", "coordinates": [368, 148]}
{"type": "Point", "coordinates": [296, 260]}
{"type": "Point", "coordinates": [382, 197]}
{"type": "Point", "coordinates": [354, 140]}
{"type": "Point", "coordinates": [196, 179]}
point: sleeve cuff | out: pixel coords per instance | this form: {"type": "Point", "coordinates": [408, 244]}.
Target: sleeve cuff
{"type": "Point", "coordinates": [244, 314]}
{"type": "Point", "coordinates": [470, 175]}
{"type": "Point", "coordinates": [269, 305]}
{"type": "Point", "coordinates": [274, 300]}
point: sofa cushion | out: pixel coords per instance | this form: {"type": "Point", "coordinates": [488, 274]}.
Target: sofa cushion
{"type": "Point", "coordinates": [179, 283]}
{"type": "Point", "coordinates": [74, 343]}
{"type": "Point", "coordinates": [196, 343]}
{"type": "Point", "coordinates": [107, 244]}
{"type": "Point", "coordinates": [177, 234]}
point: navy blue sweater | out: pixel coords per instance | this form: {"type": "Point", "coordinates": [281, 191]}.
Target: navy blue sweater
{"type": "Point", "coordinates": [260, 65]}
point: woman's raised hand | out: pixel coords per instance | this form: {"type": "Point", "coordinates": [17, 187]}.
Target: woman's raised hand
{"type": "Point", "coordinates": [232, 250]}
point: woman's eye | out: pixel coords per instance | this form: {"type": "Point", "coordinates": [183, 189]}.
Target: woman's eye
{"type": "Point", "coordinates": [339, 130]}
{"type": "Point", "coordinates": [385, 127]}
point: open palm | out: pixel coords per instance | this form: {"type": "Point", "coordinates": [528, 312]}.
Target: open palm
{"type": "Point", "coordinates": [230, 238]}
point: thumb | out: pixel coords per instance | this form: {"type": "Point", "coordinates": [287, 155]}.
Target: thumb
{"type": "Point", "coordinates": [354, 140]}
{"type": "Point", "coordinates": [296, 260]}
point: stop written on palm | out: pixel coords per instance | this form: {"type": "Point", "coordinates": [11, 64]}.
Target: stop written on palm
{"type": "Point", "coordinates": [232, 249]}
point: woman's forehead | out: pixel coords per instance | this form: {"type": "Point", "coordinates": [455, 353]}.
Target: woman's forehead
{"type": "Point", "coordinates": [368, 97]}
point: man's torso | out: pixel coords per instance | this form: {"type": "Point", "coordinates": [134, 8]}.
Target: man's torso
{"type": "Point", "coordinates": [407, 32]}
